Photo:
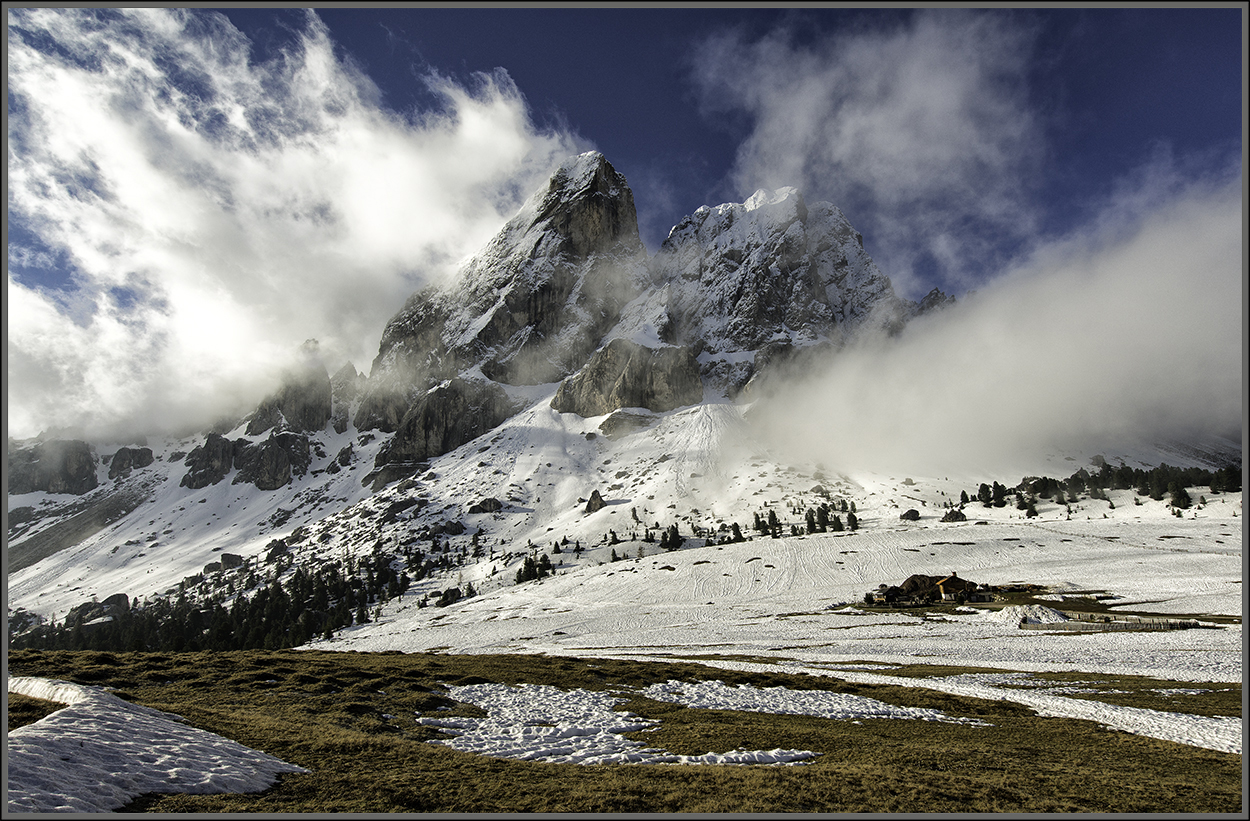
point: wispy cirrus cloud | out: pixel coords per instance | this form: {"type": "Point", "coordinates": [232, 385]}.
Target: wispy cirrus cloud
{"type": "Point", "coordinates": [213, 211]}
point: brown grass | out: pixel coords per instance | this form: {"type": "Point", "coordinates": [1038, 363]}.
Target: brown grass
{"type": "Point", "coordinates": [326, 712]}
{"type": "Point", "coordinates": [25, 710]}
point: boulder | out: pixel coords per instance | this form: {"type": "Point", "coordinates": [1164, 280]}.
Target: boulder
{"type": "Point", "coordinates": [116, 604]}
{"type": "Point", "coordinates": [624, 374]}
{"type": "Point", "coordinates": [595, 502]}
{"type": "Point", "coordinates": [488, 505]}
{"type": "Point", "coordinates": [954, 515]}
{"type": "Point", "coordinates": [911, 515]}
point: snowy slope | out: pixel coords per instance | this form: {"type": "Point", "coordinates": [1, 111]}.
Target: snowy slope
{"type": "Point", "coordinates": [696, 467]}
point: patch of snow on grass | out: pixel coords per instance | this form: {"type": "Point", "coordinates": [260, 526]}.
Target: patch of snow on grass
{"type": "Point", "coordinates": [716, 695]}
{"type": "Point", "coordinates": [100, 752]}
{"type": "Point", "coordinates": [535, 722]}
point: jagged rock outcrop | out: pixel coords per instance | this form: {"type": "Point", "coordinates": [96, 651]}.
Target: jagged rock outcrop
{"type": "Point", "coordinates": [624, 374]}
{"type": "Point", "coordinates": [209, 463]}
{"type": "Point", "coordinates": [595, 503]}
{"type": "Point", "coordinates": [127, 459]}
{"type": "Point", "coordinates": [342, 459]}
{"type": "Point", "coordinates": [303, 403]}
{"type": "Point", "coordinates": [345, 386]}
{"type": "Point", "coordinates": [933, 301]}
{"type": "Point", "coordinates": [54, 466]}
{"type": "Point", "coordinates": [530, 307]}
{"type": "Point", "coordinates": [445, 418]}
{"type": "Point", "coordinates": [270, 464]}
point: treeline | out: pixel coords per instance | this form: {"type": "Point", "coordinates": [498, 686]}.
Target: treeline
{"type": "Point", "coordinates": [271, 615]}
{"type": "Point", "coordinates": [1155, 483]}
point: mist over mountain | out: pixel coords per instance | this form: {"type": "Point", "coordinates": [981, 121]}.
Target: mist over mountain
{"type": "Point", "coordinates": [564, 384]}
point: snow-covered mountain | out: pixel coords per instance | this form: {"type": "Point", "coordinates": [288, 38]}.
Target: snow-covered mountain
{"type": "Point", "coordinates": [561, 388]}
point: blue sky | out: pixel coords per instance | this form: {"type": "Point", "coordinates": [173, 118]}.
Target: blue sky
{"type": "Point", "coordinates": [264, 176]}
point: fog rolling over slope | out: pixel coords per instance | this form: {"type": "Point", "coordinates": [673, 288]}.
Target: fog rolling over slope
{"type": "Point", "coordinates": [1125, 336]}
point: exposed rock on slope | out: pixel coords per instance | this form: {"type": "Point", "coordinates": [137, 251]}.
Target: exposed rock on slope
{"type": "Point", "coordinates": [209, 463]}
{"type": "Point", "coordinates": [270, 464]}
{"type": "Point", "coordinates": [127, 459]}
{"type": "Point", "coordinates": [624, 374]}
{"type": "Point", "coordinates": [445, 418]}
{"type": "Point", "coordinates": [55, 466]}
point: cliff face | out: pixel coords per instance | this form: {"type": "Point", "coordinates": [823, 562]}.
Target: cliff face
{"type": "Point", "coordinates": [530, 307]}
{"type": "Point", "coordinates": [54, 466]}
{"type": "Point", "coordinates": [624, 374]}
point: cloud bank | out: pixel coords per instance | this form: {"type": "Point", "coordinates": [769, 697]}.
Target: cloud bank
{"type": "Point", "coordinates": [1129, 333]}
{"type": "Point", "coordinates": [923, 132]}
{"type": "Point", "coordinates": [215, 211]}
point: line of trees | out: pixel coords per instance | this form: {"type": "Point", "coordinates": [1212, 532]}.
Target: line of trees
{"type": "Point", "coordinates": [1155, 483]}
{"type": "Point", "coordinates": [273, 615]}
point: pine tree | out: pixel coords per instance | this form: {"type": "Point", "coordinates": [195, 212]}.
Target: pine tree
{"type": "Point", "coordinates": [811, 520]}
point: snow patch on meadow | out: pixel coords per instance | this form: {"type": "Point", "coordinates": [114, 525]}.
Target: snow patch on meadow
{"type": "Point", "coordinates": [99, 752]}
{"type": "Point", "coordinates": [716, 695]}
{"type": "Point", "coordinates": [542, 723]}
{"type": "Point", "coordinates": [537, 722]}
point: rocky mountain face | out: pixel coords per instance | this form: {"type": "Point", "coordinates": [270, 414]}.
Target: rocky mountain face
{"type": "Point", "coordinates": [746, 284]}
{"type": "Point", "coordinates": [529, 308]}
{"type": "Point", "coordinates": [564, 293]}
{"type": "Point", "coordinates": [625, 374]}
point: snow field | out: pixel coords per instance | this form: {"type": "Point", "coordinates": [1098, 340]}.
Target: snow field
{"type": "Point", "coordinates": [100, 752]}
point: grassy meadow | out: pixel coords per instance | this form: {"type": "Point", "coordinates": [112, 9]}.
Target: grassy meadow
{"type": "Point", "coordinates": [351, 719]}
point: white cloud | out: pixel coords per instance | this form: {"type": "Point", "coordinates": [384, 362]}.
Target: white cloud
{"type": "Point", "coordinates": [922, 133]}
{"type": "Point", "coordinates": [1130, 333]}
{"type": "Point", "coordinates": [240, 207]}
